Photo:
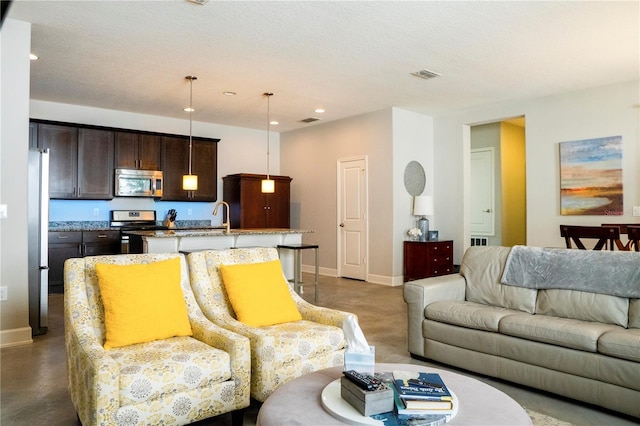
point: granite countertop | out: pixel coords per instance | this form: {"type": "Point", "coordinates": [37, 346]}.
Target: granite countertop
{"type": "Point", "coordinates": [97, 225]}
{"type": "Point", "coordinates": [215, 232]}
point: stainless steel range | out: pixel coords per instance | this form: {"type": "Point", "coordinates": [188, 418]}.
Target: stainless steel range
{"type": "Point", "coordinates": [133, 220]}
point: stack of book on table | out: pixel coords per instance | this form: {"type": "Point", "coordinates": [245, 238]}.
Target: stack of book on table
{"type": "Point", "coordinates": [422, 393]}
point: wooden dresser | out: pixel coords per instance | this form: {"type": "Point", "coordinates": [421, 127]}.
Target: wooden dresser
{"type": "Point", "coordinates": [427, 259]}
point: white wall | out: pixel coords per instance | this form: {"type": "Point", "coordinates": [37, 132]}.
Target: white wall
{"type": "Point", "coordinates": [15, 40]}
{"type": "Point", "coordinates": [604, 111]}
{"type": "Point", "coordinates": [389, 139]}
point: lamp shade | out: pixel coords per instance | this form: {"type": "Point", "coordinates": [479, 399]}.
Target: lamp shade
{"type": "Point", "coordinates": [190, 182]}
{"type": "Point", "coordinates": [423, 205]}
{"type": "Point", "coordinates": [268, 186]}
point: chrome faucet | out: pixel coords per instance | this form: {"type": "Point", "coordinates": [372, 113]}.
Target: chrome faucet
{"type": "Point", "coordinates": [215, 212]}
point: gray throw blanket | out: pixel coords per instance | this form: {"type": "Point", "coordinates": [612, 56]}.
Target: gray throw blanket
{"type": "Point", "coordinates": [607, 272]}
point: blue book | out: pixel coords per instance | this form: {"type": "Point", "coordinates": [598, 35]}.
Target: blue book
{"type": "Point", "coordinates": [421, 386]}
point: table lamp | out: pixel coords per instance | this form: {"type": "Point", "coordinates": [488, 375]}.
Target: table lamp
{"type": "Point", "coordinates": [423, 206]}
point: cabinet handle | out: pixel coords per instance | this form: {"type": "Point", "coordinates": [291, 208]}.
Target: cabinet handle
{"type": "Point", "coordinates": [62, 237]}
{"type": "Point", "coordinates": [102, 236]}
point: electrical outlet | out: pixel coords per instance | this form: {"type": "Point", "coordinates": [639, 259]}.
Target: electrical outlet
{"type": "Point", "coordinates": [189, 212]}
{"type": "Point", "coordinates": [4, 293]}
{"type": "Point", "coordinates": [636, 211]}
{"type": "Point", "coordinates": [96, 212]}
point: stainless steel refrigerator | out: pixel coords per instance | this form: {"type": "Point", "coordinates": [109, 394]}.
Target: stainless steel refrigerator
{"type": "Point", "coordinates": [38, 230]}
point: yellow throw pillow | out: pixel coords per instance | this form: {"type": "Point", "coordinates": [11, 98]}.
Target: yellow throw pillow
{"type": "Point", "coordinates": [142, 302]}
{"type": "Point", "coordinates": [259, 293]}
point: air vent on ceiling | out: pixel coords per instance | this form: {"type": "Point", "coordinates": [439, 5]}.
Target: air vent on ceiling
{"type": "Point", "coordinates": [309, 120]}
{"type": "Point", "coordinates": [426, 74]}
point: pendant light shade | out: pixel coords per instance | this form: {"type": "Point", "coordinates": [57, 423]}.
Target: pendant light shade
{"type": "Point", "coordinates": [268, 185]}
{"type": "Point", "coordinates": [190, 182]}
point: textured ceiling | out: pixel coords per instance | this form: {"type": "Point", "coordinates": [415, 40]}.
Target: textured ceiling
{"type": "Point", "coordinates": [346, 57]}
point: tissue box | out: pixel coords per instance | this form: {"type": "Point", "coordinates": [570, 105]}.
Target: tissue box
{"type": "Point", "coordinates": [360, 362]}
{"type": "Point", "coordinates": [367, 403]}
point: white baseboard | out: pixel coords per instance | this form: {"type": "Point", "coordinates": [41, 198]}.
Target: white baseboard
{"type": "Point", "coordinates": [373, 279]}
{"type": "Point", "coordinates": [15, 337]}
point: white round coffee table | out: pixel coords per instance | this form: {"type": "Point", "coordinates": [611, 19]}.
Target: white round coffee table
{"type": "Point", "coordinates": [298, 402]}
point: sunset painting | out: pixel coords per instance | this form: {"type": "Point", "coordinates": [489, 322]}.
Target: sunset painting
{"type": "Point", "coordinates": [591, 177]}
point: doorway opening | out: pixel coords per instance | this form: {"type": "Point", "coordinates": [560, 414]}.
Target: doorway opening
{"type": "Point", "coordinates": [498, 179]}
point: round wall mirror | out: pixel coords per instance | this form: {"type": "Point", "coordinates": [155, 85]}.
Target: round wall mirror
{"type": "Point", "coordinates": [414, 178]}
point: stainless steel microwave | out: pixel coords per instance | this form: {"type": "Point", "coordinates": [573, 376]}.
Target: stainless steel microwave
{"type": "Point", "coordinates": [138, 183]}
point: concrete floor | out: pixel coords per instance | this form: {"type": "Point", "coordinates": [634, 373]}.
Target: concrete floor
{"type": "Point", "coordinates": [34, 383]}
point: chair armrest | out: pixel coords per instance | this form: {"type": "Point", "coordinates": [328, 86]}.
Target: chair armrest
{"type": "Point", "coordinates": [320, 314]}
{"type": "Point", "coordinates": [418, 294]}
{"type": "Point", "coordinates": [237, 346]}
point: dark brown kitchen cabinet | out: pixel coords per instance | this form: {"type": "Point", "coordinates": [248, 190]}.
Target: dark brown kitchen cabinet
{"type": "Point", "coordinates": [250, 208]}
{"type": "Point", "coordinates": [95, 243]}
{"type": "Point", "coordinates": [62, 142]}
{"type": "Point", "coordinates": [80, 161]}
{"type": "Point", "coordinates": [62, 246]}
{"type": "Point", "coordinates": [95, 164]}
{"type": "Point", "coordinates": [427, 259]}
{"type": "Point", "coordinates": [137, 151]}
{"type": "Point", "coordinates": [175, 164]}
{"type": "Point", "coordinates": [67, 244]}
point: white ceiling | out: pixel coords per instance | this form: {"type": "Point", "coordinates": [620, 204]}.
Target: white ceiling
{"type": "Point", "coordinates": [346, 57]}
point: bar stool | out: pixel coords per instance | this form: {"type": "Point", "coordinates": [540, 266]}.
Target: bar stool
{"type": "Point", "coordinates": [298, 284]}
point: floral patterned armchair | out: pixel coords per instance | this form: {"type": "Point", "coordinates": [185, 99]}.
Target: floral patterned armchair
{"type": "Point", "coordinates": [280, 352]}
{"type": "Point", "coordinates": [177, 380]}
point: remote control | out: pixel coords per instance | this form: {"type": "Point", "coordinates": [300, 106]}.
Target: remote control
{"type": "Point", "coordinates": [363, 381]}
{"type": "Point", "coordinates": [422, 384]}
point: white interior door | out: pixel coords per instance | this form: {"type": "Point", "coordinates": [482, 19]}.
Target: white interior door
{"type": "Point", "coordinates": [482, 192]}
{"type": "Point", "coordinates": [352, 218]}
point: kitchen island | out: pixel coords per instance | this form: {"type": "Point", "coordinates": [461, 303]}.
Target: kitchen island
{"type": "Point", "coordinates": [188, 240]}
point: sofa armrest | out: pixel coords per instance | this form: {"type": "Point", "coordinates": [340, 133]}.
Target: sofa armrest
{"type": "Point", "coordinates": [418, 294]}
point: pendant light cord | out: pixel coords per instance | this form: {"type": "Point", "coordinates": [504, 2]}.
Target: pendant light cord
{"type": "Point", "coordinates": [191, 78]}
{"type": "Point", "coordinates": [268, 95]}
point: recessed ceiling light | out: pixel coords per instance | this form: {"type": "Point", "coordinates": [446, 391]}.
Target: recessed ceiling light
{"type": "Point", "coordinates": [187, 109]}
{"type": "Point", "coordinates": [274, 123]}
{"type": "Point", "coordinates": [319, 110]}
{"type": "Point", "coordinates": [33, 56]}
{"type": "Point", "coordinates": [229, 93]}
{"type": "Point", "coordinates": [200, 2]}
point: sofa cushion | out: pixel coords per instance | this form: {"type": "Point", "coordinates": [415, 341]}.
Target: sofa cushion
{"type": "Point", "coordinates": [584, 306]}
{"type": "Point", "coordinates": [621, 344]}
{"type": "Point", "coordinates": [152, 370]}
{"type": "Point", "coordinates": [482, 268]}
{"type": "Point", "coordinates": [634, 313]}
{"type": "Point", "coordinates": [467, 314]}
{"type": "Point", "coordinates": [567, 332]}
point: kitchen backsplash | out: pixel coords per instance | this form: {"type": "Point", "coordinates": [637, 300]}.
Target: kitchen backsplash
{"type": "Point", "coordinates": [98, 211]}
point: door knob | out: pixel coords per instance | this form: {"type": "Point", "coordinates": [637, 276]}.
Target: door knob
{"type": "Point", "coordinates": [487, 211]}
{"type": "Point", "coordinates": [341, 225]}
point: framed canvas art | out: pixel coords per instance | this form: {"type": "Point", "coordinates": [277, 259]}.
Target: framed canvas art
{"type": "Point", "coordinates": [591, 177]}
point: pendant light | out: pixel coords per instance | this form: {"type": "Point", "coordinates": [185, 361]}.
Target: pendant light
{"type": "Point", "coordinates": [268, 184]}
{"type": "Point", "coordinates": [190, 182]}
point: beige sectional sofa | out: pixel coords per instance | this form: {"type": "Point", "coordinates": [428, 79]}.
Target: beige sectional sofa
{"type": "Point", "coordinates": [580, 344]}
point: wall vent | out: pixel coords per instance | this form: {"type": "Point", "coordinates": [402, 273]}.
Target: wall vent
{"type": "Point", "coordinates": [426, 74]}
{"type": "Point", "coordinates": [479, 241]}
{"type": "Point", "coordinates": [309, 120]}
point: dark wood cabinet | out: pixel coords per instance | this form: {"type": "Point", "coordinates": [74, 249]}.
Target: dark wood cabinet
{"type": "Point", "coordinates": [175, 164]}
{"type": "Point", "coordinates": [250, 208]}
{"type": "Point", "coordinates": [62, 142]}
{"type": "Point", "coordinates": [95, 164]}
{"type": "Point", "coordinates": [137, 151]}
{"type": "Point", "coordinates": [62, 246]}
{"type": "Point", "coordinates": [427, 259]}
{"type": "Point", "coordinates": [80, 161]}
{"type": "Point", "coordinates": [67, 244]}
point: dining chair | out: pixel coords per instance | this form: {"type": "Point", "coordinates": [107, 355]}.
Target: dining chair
{"type": "Point", "coordinates": [603, 234]}
{"type": "Point", "coordinates": [628, 246]}
{"type": "Point", "coordinates": [633, 231]}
